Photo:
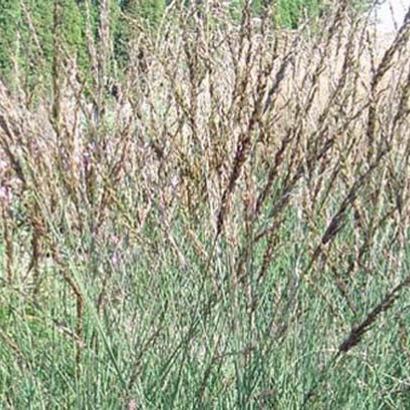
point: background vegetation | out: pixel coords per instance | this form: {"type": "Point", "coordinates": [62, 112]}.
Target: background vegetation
{"type": "Point", "coordinates": [200, 209]}
{"type": "Point", "coordinates": [27, 27]}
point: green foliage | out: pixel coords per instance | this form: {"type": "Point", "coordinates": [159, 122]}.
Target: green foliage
{"type": "Point", "coordinates": [291, 12]}
{"type": "Point", "coordinates": [72, 26]}
{"type": "Point", "coordinates": [152, 10]}
{"type": "Point", "coordinates": [149, 10]}
{"type": "Point", "coordinates": [27, 37]}
{"type": "Point", "coordinates": [128, 16]}
{"type": "Point", "coordinates": [10, 17]}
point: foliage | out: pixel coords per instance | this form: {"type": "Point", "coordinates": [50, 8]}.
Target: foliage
{"type": "Point", "coordinates": [10, 15]}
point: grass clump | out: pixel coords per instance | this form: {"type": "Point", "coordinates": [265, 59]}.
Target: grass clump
{"type": "Point", "coordinates": [224, 225]}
